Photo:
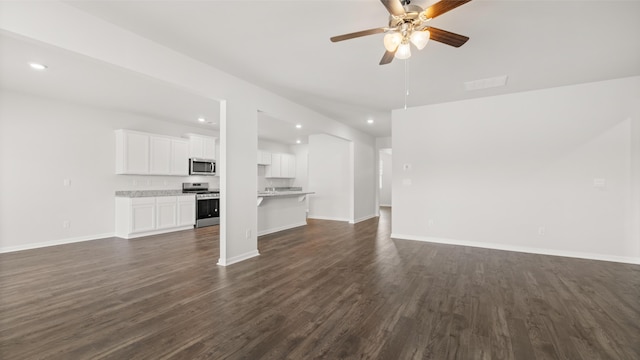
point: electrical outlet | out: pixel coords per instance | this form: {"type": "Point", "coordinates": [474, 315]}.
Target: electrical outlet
{"type": "Point", "coordinates": [542, 231]}
{"type": "Point", "coordinates": [248, 234]}
{"type": "Point", "coordinates": [430, 222]}
{"type": "Point", "coordinates": [67, 182]}
{"type": "Point", "coordinates": [66, 224]}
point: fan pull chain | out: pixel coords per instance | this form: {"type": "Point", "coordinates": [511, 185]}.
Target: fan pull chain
{"type": "Point", "coordinates": [406, 83]}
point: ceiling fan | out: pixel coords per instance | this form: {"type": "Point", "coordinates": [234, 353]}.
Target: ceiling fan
{"type": "Point", "coordinates": [408, 25]}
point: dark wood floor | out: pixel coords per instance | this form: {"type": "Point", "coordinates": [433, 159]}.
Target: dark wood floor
{"type": "Point", "coordinates": [328, 290]}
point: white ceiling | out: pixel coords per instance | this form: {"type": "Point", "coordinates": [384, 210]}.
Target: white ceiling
{"type": "Point", "coordinates": [284, 46]}
{"type": "Point", "coordinates": [79, 79]}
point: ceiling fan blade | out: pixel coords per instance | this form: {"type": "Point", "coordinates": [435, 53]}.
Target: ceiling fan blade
{"type": "Point", "coordinates": [442, 7]}
{"type": "Point", "coordinates": [394, 7]}
{"type": "Point", "coordinates": [357, 34]}
{"type": "Point", "coordinates": [447, 37]}
{"type": "Point", "coordinates": [388, 57]}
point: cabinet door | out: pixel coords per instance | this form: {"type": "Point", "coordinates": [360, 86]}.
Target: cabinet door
{"type": "Point", "coordinates": [136, 153]}
{"type": "Point", "coordinates": [179, 157]}
{"type": "Point", "coordinates": [209, 148]}
{"type": "Point", "coordinates": [266, 158]}
{"type": "Point", "coordinates": [284, 165]}
{"type": "Point", "coordinates": [143, 214]}
{"type": "Point", "coordinates": [196, 147]}
{"type": "Point", "coordinates": [160, 160]}
{"type": "Point", "coordinates": [274, 170]}
{"type": "Point", "coordinates": [167, 212]}
{"type": "Point", "coordinates": [186, 210]}
{"type": "Point", "coordinates": [291, 166]}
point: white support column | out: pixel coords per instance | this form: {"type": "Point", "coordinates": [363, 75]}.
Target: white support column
{"type": "Point", "coordinates": [238, 182]}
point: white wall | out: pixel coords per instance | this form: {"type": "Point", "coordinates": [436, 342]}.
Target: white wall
{"type": "Point", "coordinates": [385, 188]}
{"type": "Point", "coordinates": [380, 143]}
{"type": "Point", "coordinates": [43, 142]}
{"type": "Point", "coordinates": [517, 171]}
{"type": "Point", "coordinates": [364, 182]}
{"type": "Point", "coordinates": [330, 178]}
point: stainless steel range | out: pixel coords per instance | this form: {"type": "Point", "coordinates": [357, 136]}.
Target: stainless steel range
{"type": "Point", "coordinates": [207, 203]}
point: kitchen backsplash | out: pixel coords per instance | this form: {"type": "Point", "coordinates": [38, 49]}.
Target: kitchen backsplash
{"type": "Point", "coordinates": [139, 182]}
{"type": "Point", "coordinates": [271, 182]}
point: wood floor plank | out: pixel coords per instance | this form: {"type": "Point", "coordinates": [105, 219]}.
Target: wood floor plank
{"type": "Point", "coordinates": [328, 290]}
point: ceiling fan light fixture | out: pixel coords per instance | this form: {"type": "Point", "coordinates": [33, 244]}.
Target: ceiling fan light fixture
{"type": "Point", "coordinates": [392, 40]}
{"type": "Point", "coordinates": [420, 38]}
{"type": "Point", "coordinates": [404, 51]}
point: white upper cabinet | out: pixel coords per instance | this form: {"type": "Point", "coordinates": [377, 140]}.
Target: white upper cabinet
{"type": "Point", "coordinates": [132, 152]}
{"type": "Point", "coordinates": [160, 160]}
{"type": "Point", "coordinates": [202, 147]}
{"type": "Point", "coordinates": [179, 157]}
{"type": "Point", "coordinates": [282, 166]}
{"type": "Point", "coordinates": [149, 154]}
{"type": "Point", "coordinates": [291, 167]}
{"type": "Point", "coordinates": [264, 157]}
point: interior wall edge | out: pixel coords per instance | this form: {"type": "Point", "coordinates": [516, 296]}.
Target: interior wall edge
{"type": "Point", "coordinates": [8, 249]}
{"type": "Point", "coordinates": [521, 249]}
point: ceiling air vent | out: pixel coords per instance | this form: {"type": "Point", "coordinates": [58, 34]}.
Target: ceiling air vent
{"type": "Point", "coordinates": [486, 83]}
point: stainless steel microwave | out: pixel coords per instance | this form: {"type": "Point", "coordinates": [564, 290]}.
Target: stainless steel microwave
{"type": "Point", "coordinates": [202, 166]}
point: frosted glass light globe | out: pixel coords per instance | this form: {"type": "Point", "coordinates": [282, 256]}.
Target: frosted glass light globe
{"type": "Point", "coordinates": [392, 40]}
{"type": "Point", "coordinates": [404, 51]}
{"type": "Point", "coordinates": [420, 38]}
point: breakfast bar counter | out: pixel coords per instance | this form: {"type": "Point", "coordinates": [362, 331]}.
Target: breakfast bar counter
{"type": "Point", "coordinates": [281, 210]}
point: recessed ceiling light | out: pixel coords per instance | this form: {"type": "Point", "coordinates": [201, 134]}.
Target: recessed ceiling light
{"type": "Point", "coordinates": [298, 126]}
{"type": "Point", "coordinates": [202, 119]}
{"type": "Point", "coordinates": [370, 121]}
{"type": "Point", "coordinates": [37, 66]}
{"type": "Point", "coordinates": [298, 141]}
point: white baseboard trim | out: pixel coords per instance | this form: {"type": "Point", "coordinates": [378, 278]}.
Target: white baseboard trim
{"type": "Point", "coordinates": [8, 249]}
{"type": "Point", "coordinates": [523, 249]}
{"type": "Point", "coordinates": [281, 228]}
{"type": "Point", "coordinates": [329, 218]}
{"type": "Point", "coordinates": [385, 205]}
{"type": "Point", "coordinates": [236, 259]}
{"type": "Point", "coordinates": [363, 218]}
{"type": "Point", "coordinates": [155, 232]}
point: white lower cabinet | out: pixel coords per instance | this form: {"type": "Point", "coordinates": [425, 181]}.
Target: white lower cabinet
{"type": "Point", "coordinates": [143, 216]}
{"type": "Point", "coordinates": [167, 212]}
{"type": "Point", "coordinates": [186, 210]}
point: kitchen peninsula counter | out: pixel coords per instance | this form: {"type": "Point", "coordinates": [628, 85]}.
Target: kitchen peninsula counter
{"type": "Point", "coordinates": [281, 210]}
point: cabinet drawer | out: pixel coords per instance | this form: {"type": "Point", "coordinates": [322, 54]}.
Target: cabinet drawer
{"type": "Point", "coordinates": [143, 201]}
{"type": "Point", "coordinates": [166, 199]}
{"type": "Point", "coordinates": [187, 198]}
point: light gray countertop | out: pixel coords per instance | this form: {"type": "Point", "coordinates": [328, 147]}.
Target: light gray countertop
{"type": "Point", "coordinates": [149, 193]}
{"type": "Point", "coordinates": [283, 193]}
{"type": "Point", "coordinates": [156, 193]}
